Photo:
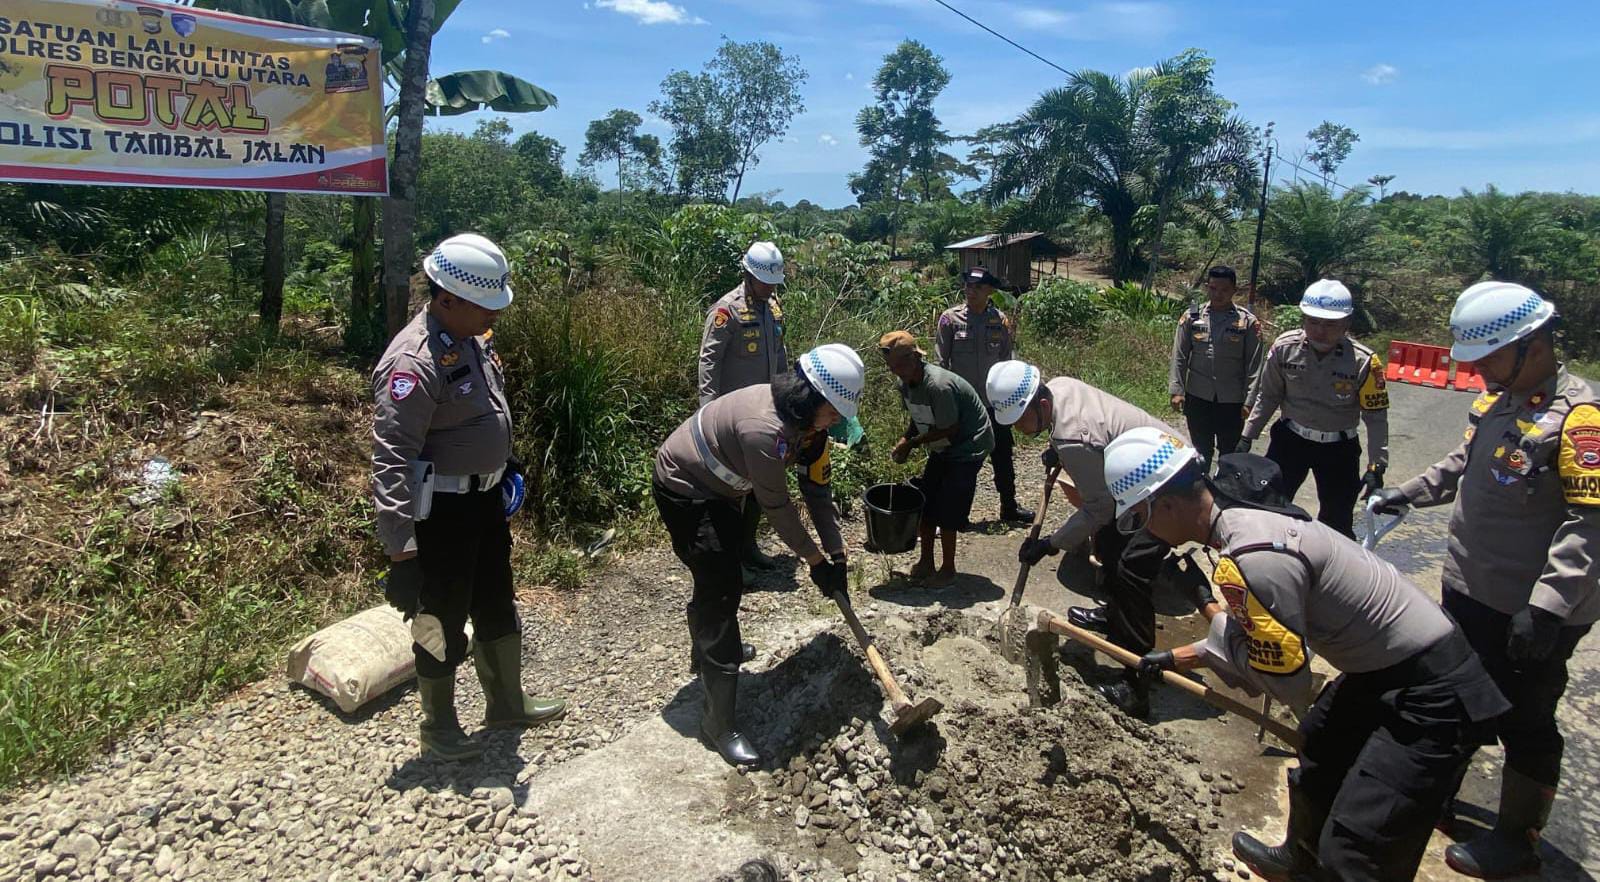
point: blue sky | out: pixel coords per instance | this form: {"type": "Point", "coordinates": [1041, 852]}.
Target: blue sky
{"type": "Point", "coordinates": [1443, 95]}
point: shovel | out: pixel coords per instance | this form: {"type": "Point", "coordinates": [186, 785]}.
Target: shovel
{"type": "Point", "coordinates": [906, 714]}
{"type": "Point", "coordinates": [1049, 621]}
{"type": "Point", "coordinates": [1013, 624]}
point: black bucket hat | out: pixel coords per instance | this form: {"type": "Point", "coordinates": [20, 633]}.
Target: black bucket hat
{"type": "Point", "coordinates": [1251, 481]}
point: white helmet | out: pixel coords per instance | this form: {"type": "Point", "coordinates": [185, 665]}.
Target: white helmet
{"type": "Point", "coordinates": [472, 268]}
{"type": "Point", "coordinates": [836, 371]}
{"type": "Point", "coordinates": [1493, 315]}
{"type": "Point", "coordinates": [765, 262]}
{"type": "Point", "coordinates": [1139, 461]}
{"type": "Point", "coordinates": [1327, 299]}
{"type": "Point", "coordinates": [1009, 387]}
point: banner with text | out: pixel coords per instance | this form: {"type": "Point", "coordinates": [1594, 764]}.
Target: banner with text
{"type": "Point", "coordinates": [155, 95]}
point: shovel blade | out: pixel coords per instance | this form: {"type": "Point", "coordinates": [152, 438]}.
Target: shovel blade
{"type": "Point", "coordinates": [1013, 627]}
{"type": "Point", "coordinates": [908, 717]}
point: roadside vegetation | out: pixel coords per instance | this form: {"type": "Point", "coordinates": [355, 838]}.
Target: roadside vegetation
{"type": "Point", "coordinates": [183, 486]}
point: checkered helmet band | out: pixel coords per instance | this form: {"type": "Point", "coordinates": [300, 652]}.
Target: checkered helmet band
{"type": "Point", "coordinates": [819, 372]}
{"type": "Point", "coordinates": [469, 278]}
{"type": "Point", "coordinates": [1019, 395]}
{"type": "Point", "coordinates": [1161, 457]}
{"type": "Point", "coordinates": [1505, 322]}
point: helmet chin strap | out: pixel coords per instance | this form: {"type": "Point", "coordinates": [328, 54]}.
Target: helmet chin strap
{"type": "Point", "coordinates": [1516, 366]}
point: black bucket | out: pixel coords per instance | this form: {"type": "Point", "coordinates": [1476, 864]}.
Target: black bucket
{"type": "Point", "coordinates": [893, 513]}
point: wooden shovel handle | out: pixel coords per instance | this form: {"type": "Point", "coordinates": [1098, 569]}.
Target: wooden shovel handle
{"type": "Point", "coordinates": [1038, 526]}
{"type": "Point", "coordinates": [881, 669]}
{"type": "Point", "coordinates": [1049, 621]}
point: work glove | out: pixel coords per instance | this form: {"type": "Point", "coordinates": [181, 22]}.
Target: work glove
{"type": "Point", "coordinates": [1533, 635]}
{"type": "Point", "coordinates": [513, 488]}
{"type": "Point", "coordinates": [1035, 550]}
{"type": "Point", "coordinates": [403, 586]}
{"type": "Point", "coordinates": [1390, 499]}
{"type": "Point", "coordinates": [1153, 663]}
{"type": "Point", "coordinates": [1050, 458]}
{"type": "Point", "coordinates": [1244, 445]}
{"type": "Point", "coordinates": [1372, 481]}
{"type": "Point", "coordinates": [830, 577]}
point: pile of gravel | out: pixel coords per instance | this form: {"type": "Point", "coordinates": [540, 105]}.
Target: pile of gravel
{"type": "Point", "coordinates": [1076, 791]}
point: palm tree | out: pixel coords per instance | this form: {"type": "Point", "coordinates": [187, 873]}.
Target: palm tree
{"type": "Point", "coordinates": [1493, 233]}
{"type": "Point", "coordinates": [1158, 137]}
{"type": "Point", "coordinates": [1317, 235]}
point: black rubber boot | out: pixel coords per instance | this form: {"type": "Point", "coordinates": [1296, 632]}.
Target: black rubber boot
{"type": "Point", "coordinates": [440, 733]}
{"type": "Point", "coordinates": [1296, 859]}
{"type": "Point", "coordinates": [1131, 696]}
{"type": "Point", "coordinates": [1089, 618]}
{"type": "Point", "coordinates": [1512, 847]}
{"type": "Point", "coordinates": [717, 726]}
{"type": "Point", "coordinates": [1013, 513]}
{"type": "Point", "coordinates": [499, 664]}
{"type": "Point", "coordinates": [747, 652]}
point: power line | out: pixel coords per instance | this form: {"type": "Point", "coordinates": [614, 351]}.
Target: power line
{"type": "Point", "coordinates": [1003, 37]}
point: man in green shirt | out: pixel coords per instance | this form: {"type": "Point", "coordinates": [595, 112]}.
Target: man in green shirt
{"type": "Point", "coordinates": [950, 419]}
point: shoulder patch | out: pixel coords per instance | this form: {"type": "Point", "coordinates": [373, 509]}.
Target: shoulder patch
{"type": "Point", "coordinates": [720, 317]}
{"type": "Point", "coordinates": [1484, 402]}
{"type": "Point", "coordinates": [1375, 388]}
{"type": "Point", "coordinates": [1274, 648]}
{"type": "Point", "coordinates": [402, 384]}
{"type": "Point", "coordinates": [1579, 460]}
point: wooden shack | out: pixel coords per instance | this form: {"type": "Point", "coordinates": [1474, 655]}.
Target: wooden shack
{"type": "Point", "coordinates": [1010, 257]}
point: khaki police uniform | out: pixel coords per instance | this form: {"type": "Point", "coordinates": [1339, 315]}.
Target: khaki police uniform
{"type": "Point", "coordinates": [1525, 530]}
{"type": "Point", "coordinates": [741, 345]}
{"type": "Point", "coordinates": [1215, 356]}
{"type": "Point", "coordinates": [441, 437]}
{"type": "Point", "coordinates": [1322, 399]}
{"type": "Point", "coordinates": [970, 345]}
{"type": "Point", "coordinates": [1086, 420]}
{"type": "Point", "coordinates": [1386, 741]}
{"type": "Point", "coordinates": [732, 448]}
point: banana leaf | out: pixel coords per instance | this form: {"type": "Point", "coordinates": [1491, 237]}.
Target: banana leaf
{"type": "Point", "coordinates": [468, 90]}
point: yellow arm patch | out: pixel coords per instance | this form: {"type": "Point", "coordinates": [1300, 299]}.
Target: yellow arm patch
{"type": "Point", "coordinates": [820, 471]}
{"type": "Point", "coordinates": [1579, 459]}
{"type": "Point", "coordinates": [1375, 388]}
{"type": "Point", "coordinates": [1274, 648]}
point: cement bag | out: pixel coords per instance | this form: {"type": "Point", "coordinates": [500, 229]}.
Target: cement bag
{"type": "Point", "coordinates": [356, 660]}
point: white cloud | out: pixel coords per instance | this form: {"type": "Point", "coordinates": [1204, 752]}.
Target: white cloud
{"type": "Point", "coordinates": [827, 140]}
{"type": "Point", "coordinates": [1380, 74]}
{"type": "Point", "coordinates": [496, 34]}
{"type": "Point", "coordinates": [651, 11]}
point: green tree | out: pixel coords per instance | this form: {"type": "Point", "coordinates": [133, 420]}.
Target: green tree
{"type": "Point", "coordinates": [1124, 145]}
{"type": "Point", "coordinates": [760, 88]}
{"type": "Point", "coordinates": [539, 160]}
{"type": "Point", "coordinates": [615, 138]}
{"type": "Point", "coordinates": [902, 134]}
{"type": "Point", "coordinates": [1317, 235]}
{"type": "Point", "coordinates": [1382, 183]}
{"type": "Point", "coordinates": [702, 149]}
{"type": "Point", "coordinates": [1330, 147]}
{"type": "Point", "coordinates": [1496, 234]}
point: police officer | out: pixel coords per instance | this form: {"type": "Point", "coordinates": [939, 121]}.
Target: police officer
{"type": "Point", "coordinates": [1325, 383]}
{"type": "Point", "coordinates": [742, 345]}
{"type": "Point", "coordinates": [1521, 574]}
{"type": "Point", "coordinates": [1082, 420]}
{"type": "Point", "coordinates": [742, 444]}
{"type": "Point", "coordinates": [1216, 353]}
{"type": "Point", "coordinates": [1385, 742]}
{"type": "Point", "coordinates": [949, 419]}
{"type": "Point", "coordinates": [974, 337]}
{"type": "Point", "coordinates": [445, 487]}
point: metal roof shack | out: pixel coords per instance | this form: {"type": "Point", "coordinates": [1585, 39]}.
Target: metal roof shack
{"type": "Point", "coordinates": [1009, 256]}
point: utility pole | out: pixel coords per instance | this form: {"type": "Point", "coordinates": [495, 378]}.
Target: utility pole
{"type": "Point", "coordinates": [1261, 217]}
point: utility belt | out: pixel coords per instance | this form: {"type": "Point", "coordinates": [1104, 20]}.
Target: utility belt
{"type": "Point", "coordinates": [425, 482]}
{"type": "Point", "coordinates": [1317, 435]}
{"type": "Point", "coordinates": [710, 461]}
